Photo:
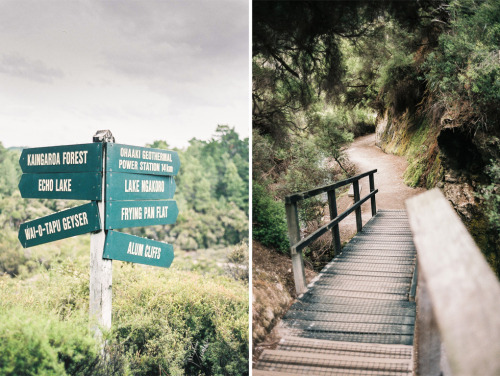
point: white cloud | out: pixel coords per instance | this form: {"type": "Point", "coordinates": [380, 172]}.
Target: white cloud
{"type": "Point", "coordinates": [147, 69]}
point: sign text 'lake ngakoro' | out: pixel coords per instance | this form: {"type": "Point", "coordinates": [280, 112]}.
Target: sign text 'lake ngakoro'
{"type": "Point", "coordinates": [125, 186]}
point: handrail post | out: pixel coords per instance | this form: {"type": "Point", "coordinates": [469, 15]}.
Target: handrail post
{"type": "Point", "coordinates": [372, 188]}
{"type": "Point", "coordinates": [292, 220]}
{"type": "Point", "coordinates": [359, 222]}
{"type": "Point", "coordinates": [332, 205]}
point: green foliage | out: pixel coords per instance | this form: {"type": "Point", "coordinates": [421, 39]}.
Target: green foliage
{"type": "Point", "coordinates": [199, 326]}
{"type": "Point", "coordinates": [269, 220]}
{"type": "Point", "coordinates": [491, 195]}
{"type": "Point", "coordinates": [464, 70]}
{"type": "Point", "coordinates": [237, 265]}
{"type": "Point", "coordinates": [36, 343]}
{"type": "Point", "coordinates": [212, 192]}
{"type": "Point", "coordinates": [164, 322]}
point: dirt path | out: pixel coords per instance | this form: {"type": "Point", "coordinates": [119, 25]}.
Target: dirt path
{"type": "Point", "coordinates": [388, 180]}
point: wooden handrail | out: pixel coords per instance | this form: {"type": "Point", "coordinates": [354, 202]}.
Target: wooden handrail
{"type": "Point", "coordinates": [296, 244]}
{"type": "Point", "coordinates": [458, 296]}
{"type": "Point", "coordinates": [290, 199]}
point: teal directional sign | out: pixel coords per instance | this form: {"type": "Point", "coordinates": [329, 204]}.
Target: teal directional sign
{"type": "Point", "coordinates": [67, 158]}
{"type": "Point", "coordinates": [125, 247]}
{"type": "Point", "coordinates": [139, 160]}
{"type": "Point", "coordinates": [73, 186]}
{"type": "Point", "coordinates": [66, 223]}
{"type": "Point", "coordinates": [125, 186]}
{"type": "Point", "coordinates": [121, 214]}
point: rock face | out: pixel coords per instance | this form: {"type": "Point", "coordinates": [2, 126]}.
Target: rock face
{"type": "Point", "coordinates": [270, 302]}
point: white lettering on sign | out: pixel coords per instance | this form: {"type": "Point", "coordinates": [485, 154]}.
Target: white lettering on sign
{"type": "Point", "coordinates": [45, 185]}
{"type": "Point", "coordinates": [135, 249]}
{"type": "Point", "coordinates": [131, 213]}
{"type": "Point", "coordinates": [63, 185]}
{"type": "Point", "coordinates": [53, 226]}
{"type": "Point", "coordinates": [75, 157]}
{"type": "Point", "coordinates": [131, 185]}
{"type": "Point", "coordinates": [149, 166]}
{"type": "Point", "coordinates": [149, 212]}
{"type": "Point", "coordinates": [167, 168]}
{"type": "Point", "coordinates": [157, 156]}
{"type": "Point", "coordinates": [152, 252]}
{"type": "Point", "coordinates": [128, 165]}
{"type": "Point", "coordinates": [44, 159]}
{"type": "Point", "coordinates": [57, 225]}
{"type": "Point", "coordinates": [75, 220]}
{"type": "Point", "coordinates": [161, 211]}
{"type": "Point", "coordinates": [130, 153]}
{"type": "Point", "coordinates": [153, 186]}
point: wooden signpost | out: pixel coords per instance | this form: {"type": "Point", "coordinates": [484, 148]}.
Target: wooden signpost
{"type": "Point", "coordinates": [128, 186]}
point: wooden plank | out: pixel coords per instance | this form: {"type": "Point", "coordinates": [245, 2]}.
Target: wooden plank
{"type": "Point", "coordinates": [307, 357]}
{"type": "Point", "coordinates": [396, 351]}
{"type": "Point", "coordinates": [463, 290]}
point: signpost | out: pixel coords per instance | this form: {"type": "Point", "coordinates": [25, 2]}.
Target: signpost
{"type": "Point", "coordinates": [121, 214]}
{"type": "Point", "coordinates": [67, 158]}
{"type": "Point", "coordinates": [68, 185]}
{"type": "Point", "coordinates": [125, 247]}
{"type": "Point", "coordinates": [67, 223]}
{"type": "Point", "coordinates": [139, 160]}
{"type": "Point", "coordinates": [128, 186]}
{"type": "Point", "coordinates": [124, 186]}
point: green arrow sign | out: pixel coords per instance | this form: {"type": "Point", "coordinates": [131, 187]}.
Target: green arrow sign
{"type": "Point", "coordinates": [139, 160]}
{"type": "Point", "coordinates": [120, 214]}
{"type": "Point", "coordinates": [125, 247]}
{"type": "Point", "coordinates": [67, 223]}
{"type": "Point", "coordinates": [125, 186]}
{"type": "Point", "coordinates": [73, 186]}
{"type": "Point", "coordinates": [67, 158]}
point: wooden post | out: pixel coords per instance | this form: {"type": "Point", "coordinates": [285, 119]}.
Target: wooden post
{"type": "Point", "coordinates": [332, 205]}
{"type": "Point", "coordinates": [428, 343]}
{"type": "Point", "coordinates": [359, 222]}
{"type": "Point", "coordinates": [292, 220]}
{"type": "Point", "coordinates": [100, 269]}
{"type": "Point", "coordinates": [372, 188]}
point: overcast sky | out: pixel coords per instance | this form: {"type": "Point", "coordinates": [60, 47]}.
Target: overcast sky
{"type": "Point", "coordinates": [147, 70]}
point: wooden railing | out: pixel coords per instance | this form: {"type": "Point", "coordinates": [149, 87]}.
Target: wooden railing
{"type": "Point", "coordinates": [297, 244]}
{"type": "Point", "coordinates": [458, 295]}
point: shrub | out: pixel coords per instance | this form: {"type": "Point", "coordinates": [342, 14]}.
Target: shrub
{"type": "Point", "coordinates": [35, 343]}
{"type": "Point", "coordinates": [269, 223]}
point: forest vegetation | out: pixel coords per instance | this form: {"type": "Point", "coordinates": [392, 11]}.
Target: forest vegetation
{"type": "Point", "coordinates": [191, 318]}
{"type": "Point", "coordinates": [423, 75]}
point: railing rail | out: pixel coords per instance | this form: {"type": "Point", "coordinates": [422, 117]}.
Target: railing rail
{"type": "Point", "coordinates": [297, 244]}
{"type": "Point", "coordinates": [458, 295]}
